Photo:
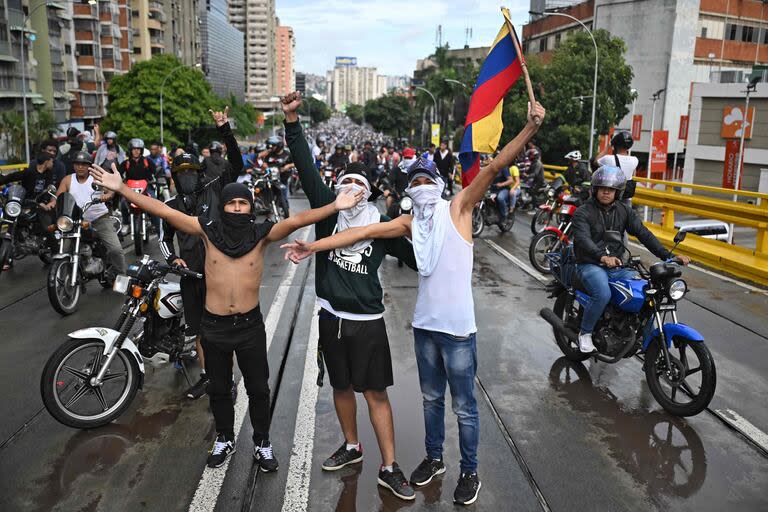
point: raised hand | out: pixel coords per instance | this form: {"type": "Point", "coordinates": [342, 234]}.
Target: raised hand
{"type": "Point", "coordinates": [347, 199]}
{"type": "Point", "coordinates": [536, 114]}
{"type": "Point", "coordinates": [297, 251]}
{"type": "Point", "coordinates": [221, 118]}
{"type": "Point", "coordinates": [291, 102]}
{"type": "Point", "coordinates": [109, 180]}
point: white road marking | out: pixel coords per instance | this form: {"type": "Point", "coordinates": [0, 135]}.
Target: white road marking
{"type": "Point", "coordinates": [300, 466]}
{"type": "Point", "coordinates": [734, 419]}
{"type": "Point", "coordinates": [517, 261]}
{"type": "Point", "coordinates": [746, 286]}
{"type": "Point", "coordinates": [211, 481]}
{"type": "Point", "coordinates": [743, 425]}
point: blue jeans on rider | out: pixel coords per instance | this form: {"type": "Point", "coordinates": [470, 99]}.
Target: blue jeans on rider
{"type": "Point", "coordinates": [284, 192]}
{"type": "Point", "coordinates": [502, 202]}
{"type": "Point", "coordinates": [445, 359]}
{"type": "Point", "coordinates": [513, 198]}
{"type": "Point", "coordinates": [595, 281]}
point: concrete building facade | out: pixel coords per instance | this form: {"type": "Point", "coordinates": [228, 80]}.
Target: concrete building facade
{"type": "Point", "coordinates": [353, 85]}
{"type": "Point", "coordinates": [285, 47]}
{"type": "Point", "coordinates": [256, 19]}
{"type": "Point", "coordinates": [149, 31]}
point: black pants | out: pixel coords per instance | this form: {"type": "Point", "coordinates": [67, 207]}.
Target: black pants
{"type": "Point", "coordinates": [448, 183]}
{"type": "Point", "coordinates": [242, 334]}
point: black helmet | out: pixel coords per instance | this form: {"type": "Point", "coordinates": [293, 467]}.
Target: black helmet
{"type": "Point", "coordinates": [82, 157]}
{"type": "Point", "coordinates": [622, 140]}
{"type": "Point", "coordinates": [339, 146]}
{"type": "Point", "coordinates": [216, 147]}
{"type": "Point", "coordinates": [609, 176]}
{"type": "Point", "coordinates": [260, 147]}
{"type": "Point", "coordinates": [185, 161]}
{"type": "Point", "coordinates": [135, 144]}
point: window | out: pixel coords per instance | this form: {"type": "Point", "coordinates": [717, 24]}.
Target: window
{"type": "Point", "coordinates": [731, 31]}
{"type": "Point", "coordinates": [557, 40]}
{"type": "Point", "coordinates": [84, 49]}
{"type": "Point", "coordinates": [68, 49]}
{"type": "Point", "coordinates": [107, 53]}
{"type": "Point", "coordinates": [704, 32]}
{"type": "Point", "coordinates": [748, 34]}
{"type": "Point", "coordinates": [543, 44]}
{"type": "Point", "coordinates": [88, 100]}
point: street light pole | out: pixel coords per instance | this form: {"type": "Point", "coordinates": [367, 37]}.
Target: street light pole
{"type": "Point", "coordinates": [162, 85]}
{"type": "Point", "coordinates": [752, 86]}
{"type": "Point", "coordinates": [654, 97]}
{"type": "Point", "coordinates": [594, 81]}
{"type": "Point", "coordinates": [434, 111]}
{"type": "Point", "coordinates": [632, 115]}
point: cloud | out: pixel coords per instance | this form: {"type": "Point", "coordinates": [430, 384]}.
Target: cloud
{"type": "Point", "coordinates": [388, 35]}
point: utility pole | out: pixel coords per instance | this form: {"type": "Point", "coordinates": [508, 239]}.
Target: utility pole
{"type": "Point", "coordinates": [751, 86]}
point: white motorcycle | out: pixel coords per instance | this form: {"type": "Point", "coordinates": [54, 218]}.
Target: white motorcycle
{"type": "Point", "coordinates": [93, 377]}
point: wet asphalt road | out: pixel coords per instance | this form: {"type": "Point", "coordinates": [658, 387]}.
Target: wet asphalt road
{"type": "Point", "coordinates": [584, 436]}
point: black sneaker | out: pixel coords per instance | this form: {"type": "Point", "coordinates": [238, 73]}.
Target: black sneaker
{"type": "Point", "coordinates": [395, 481]}
{"type": "Point", "coordinates": [467, 489]}
{"type": "Point", "coordinates": [265, 457]}
{"type": "Point", "coordinates": [343, 457]}
{"type": "Point", "coordinates": [426, 471]}
{"type": "Point", "coordinates": [220, 451]}
{"type": "Point", "coordinates": [200, 388]}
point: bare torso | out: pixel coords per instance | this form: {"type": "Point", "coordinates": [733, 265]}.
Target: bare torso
{"type": "Point", "coordinates": [232, 284]}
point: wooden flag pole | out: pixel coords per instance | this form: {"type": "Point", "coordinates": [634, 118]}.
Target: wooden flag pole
{"type": "Point", "coordinates": [519, 51]}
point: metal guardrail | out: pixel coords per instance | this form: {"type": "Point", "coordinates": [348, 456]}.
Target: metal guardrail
{"type": "Point", "coordinates": [12, 167]}
{"type": "Point", "coordinates": [744, 262]}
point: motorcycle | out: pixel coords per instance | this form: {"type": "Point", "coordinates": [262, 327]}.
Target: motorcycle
{"type": "Point", "coordinates": [294, 183]}
{"type": "Point", "coordinates": [329, 177]}
{"type": "Point", "coordinates": [277, 205]}
{"type": "Point", "coordinates": [548, 211]}
{"type": "Point", "coordinates": [163, 191]}
{"type": "Point", "coordinates": [486, 213]}
{"type": "Point", "coordinates": [552, 239]}
{"type": "Point", "coordinates": [93, 377]}
{"type": "Point", "coordinates": [20, 231]}
{"type": "Point", "coordinates": [530, 195]}
{"type": "Point", "coordinates": [82, 259]}
{"type": "Point", "coordinates": [635, 322]}
{"type": "Point", "coordinates": [140, 223]}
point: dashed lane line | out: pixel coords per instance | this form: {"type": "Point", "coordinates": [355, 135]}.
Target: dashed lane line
{"type": "Point", "coordinates": [300, 466]}
{"type": "Point", "coordinates": [208, 489]}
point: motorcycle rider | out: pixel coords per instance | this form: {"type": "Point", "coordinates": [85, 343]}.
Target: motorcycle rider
{"type": "Point", "coordinates": [278, 156]}
{"type": "Point", "coordinates": [577, 173]}
{"type": "Point", "coordinates": [109, 145]}
{"type": "Point", "coordinates": [51, 147]}
{"type": "Point", "coordinates": [80, 185]}
{"type": "Point", "coordinates": [621, 143]}
{"type": "Point", "coordinates": [398, 179]}
{"type": "Point", "coordinates": [444, 322]}
{"type": "Point", "coordinates": [232, 321]}
{"type": "Point", "coordinates": [501, 184]}
{"type": "Point", "coordinates": [443, 159]}
{"type": "Point", "coordinates": [215, 164]}
{"type": "Point", "coordinates": [369, 158]}
{"type": "Point", "coordinates": [159, 159]}
{"type": "Point", "coordinates": [318, 150]}
{"type": "Point", "coordinates": [137, 167]}
{"type": "Point", "coordinates": [338, 160]}
{"type": "Point", "coordinates": [353, 336]}
{"type": "Point", "coordinates": [598, 261]}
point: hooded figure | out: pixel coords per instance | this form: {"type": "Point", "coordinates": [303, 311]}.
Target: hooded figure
{"type": "Point", "coordinates": [235, 234]}
{"type": "Point", "coordinates": [188, 184]}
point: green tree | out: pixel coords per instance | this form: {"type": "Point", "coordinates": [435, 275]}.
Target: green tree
{"type": "Point", "coordinates": [355, 113]}
{"type": "Point", "coordinates": [134, 101]}
{"type": "Point", "coordinates": [316, 109]}
{"type": "Point", "coordinates": [244, 115]}
{"type": "Point", "coordinates": [41, 123]}
{"type": "Point", "coordinates": [568, 75]}
{"type": "Point", "coordinates": [390, 114]}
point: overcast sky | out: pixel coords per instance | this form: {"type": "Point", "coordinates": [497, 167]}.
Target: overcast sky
{"type": "Point", "coordinates": [388, 34]}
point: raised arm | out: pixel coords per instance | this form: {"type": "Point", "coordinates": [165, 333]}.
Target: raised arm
{"type": "Point", "coordinates": [299, 250]}
{"type": "Point", "coordinates": [468, 197]}
{"type": "Point", "coordinates": [112, 181]}
{"type": "Point", "coordinates": [285, 227]}
{"type": "Point", "coordinates": [235, 158]}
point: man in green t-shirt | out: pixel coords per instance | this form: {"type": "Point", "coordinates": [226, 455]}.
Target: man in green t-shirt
{"type": "Point", "coordinates": [353, 336]}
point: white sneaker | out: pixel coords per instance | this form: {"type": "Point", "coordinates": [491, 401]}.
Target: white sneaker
{"type": "Point", "coordinates": [585, 343]}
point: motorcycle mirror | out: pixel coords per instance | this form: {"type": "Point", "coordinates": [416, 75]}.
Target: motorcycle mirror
{"type": "Point", "coordinates": [680, 236]}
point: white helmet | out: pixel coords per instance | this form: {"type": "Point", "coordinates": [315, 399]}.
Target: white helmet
{"type": "Point", "coordinates": [573, 155]}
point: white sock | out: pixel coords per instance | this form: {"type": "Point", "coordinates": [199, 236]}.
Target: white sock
{"type": "Point", "coordinates": [386, 468]}
{"type": "Point", "coordinates": [353, 446]}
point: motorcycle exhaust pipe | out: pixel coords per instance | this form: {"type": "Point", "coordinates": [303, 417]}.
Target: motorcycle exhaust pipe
{"type": "Point", "coordinates": [557, 323]}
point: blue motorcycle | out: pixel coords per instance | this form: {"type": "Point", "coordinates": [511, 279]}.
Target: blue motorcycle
{"type": "Point", "coordinates": [640, 319]}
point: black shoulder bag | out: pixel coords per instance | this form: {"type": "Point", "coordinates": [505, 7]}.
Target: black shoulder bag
{"type": "Point", "coordinates": [629, 189]}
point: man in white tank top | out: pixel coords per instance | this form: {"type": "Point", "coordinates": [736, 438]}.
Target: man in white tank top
{"type": "Point", "coordinates": [80, 185]}
{"type": "Point", "coordinates": [444, 320]}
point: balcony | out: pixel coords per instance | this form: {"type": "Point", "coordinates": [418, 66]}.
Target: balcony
{"type": "Point", "coordinates": [107, 41]}
{"type": "Point", "coordinates": [155, 6]}
{"type": "Point", "coordinates": [154, 24]}
{"type": "Point", "coordinates": [84, 35]}
{"type": "Point", "coordinates": [108, 64]}
{"type": "Point", "coordinates": [87, 86]}
{"type": "Point", "coordinates": [86, 60]}
{"type": "Point", "coordinates": [83, 11]}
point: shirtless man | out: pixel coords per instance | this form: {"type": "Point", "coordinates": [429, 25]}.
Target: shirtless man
{"type": "Point", "coordinates": [232, 322]}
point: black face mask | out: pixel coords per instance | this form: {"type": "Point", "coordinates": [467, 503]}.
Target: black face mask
{"type": "Point", "coordinates": [76, 145]}
{"type": "Point", "coordinates": [187, 182]}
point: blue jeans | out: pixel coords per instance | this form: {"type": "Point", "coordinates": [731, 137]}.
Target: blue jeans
{"type": "Point", "coordinates": [513, 198]}
{"type": "Point", "coordinates": [595, 280]}
{"type": "Point", "coordinates": [502, 202]}
{"type": "Point", "coordinates": [442, 359]}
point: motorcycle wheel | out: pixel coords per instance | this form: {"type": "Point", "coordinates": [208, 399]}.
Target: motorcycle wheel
{"type": "Point", "coordinates": [61, 294]}
{"type": "Point", "coordinates": [138, 241]}
{"type": "Point", "coordinates": [507, 224]}
{"type": "Point", "coordinates": [478, 222]}
{"type": "Point", "coordinates": [67, 393]}
{"type": "Point", "coordinates": [568, 312]}
{"type": "Point", "coordinates": [6, 250]}
{"type": "Point", "coordinates": [676, 388]}
{"type": "Point", "coordinates": [540, 221]}
{"type": "Point", "coordinates": [45, 256]}
{"type": "Point", "coordinates": [541, 244]}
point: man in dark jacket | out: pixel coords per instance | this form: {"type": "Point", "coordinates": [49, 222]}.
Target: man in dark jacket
{"type": "Point", "coordinates": [196, 195]}
{"type": "Point", "coordinates": [443, 159]}
{"type": "Point", "coordinates": [215, 165]}
{"type": "Point", "coordinates": [598, 260]}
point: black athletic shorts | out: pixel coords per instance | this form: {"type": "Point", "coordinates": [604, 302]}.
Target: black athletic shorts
{"type": "Point", "coordinates": [357, 354]}
{"type": "Point", "coordinates": [193, 297]}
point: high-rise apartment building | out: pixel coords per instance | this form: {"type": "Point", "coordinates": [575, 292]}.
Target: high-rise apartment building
{"type": "Point", "coordinates": [182, 34]}
{"type": "Point", "coordinates": [285, 46]}
{"type": "Point", "coordinates": [256, 19]}
{"type": "Point", "coordinates": [149, 30]}
{"type": "Point", "coordinates": [221, 54]}
{"type": "Point", "coordinates": [353, 85]}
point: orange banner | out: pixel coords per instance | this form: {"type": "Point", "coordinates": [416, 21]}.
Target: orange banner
{"type": "Point", "coordinates": [637, 127]}
{"type": "Point", "coordinates": [683, 133]}
{"type": "Point", "coordinates": [729, 164]}
{"type": "Point", "coordinates": [733, 117]}
{"type": "Point", "coordinates": [604, 142]}
{"type": "Point", "coordinates": [659, 151]}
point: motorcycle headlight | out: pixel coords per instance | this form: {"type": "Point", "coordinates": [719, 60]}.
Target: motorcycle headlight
{"type": "Point", "coordinates": [551, 193]}
{"type": "Point", "coordinates": [64, 224]}
{"type": "Point", "coordinates": [406, 203]}
{"type": "Point", "coordinates": [12, 209]}
{"type": "Point", "coordinates": [677, 289]}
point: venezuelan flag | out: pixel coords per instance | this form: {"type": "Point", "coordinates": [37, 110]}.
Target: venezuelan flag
{"type": "Point", "coordinates": [483, 126]}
